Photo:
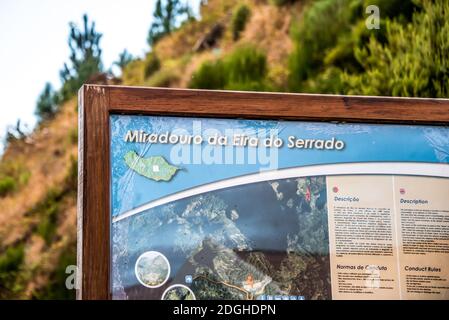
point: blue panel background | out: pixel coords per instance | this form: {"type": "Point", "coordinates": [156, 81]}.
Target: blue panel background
{"type": "Point", "coordinates": [364, 143]}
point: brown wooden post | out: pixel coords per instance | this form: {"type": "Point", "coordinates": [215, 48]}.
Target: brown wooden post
{"type": "Point", "coordinates": [93, 201]}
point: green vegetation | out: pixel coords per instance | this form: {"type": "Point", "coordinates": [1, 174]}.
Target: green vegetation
{"type": "Point", "coordinates": [85, 58]}
{"type": "Point", "coordinates": [334, 52]}
{"type": "Point", "coordinates": [246, 68]}
{"type": "Point", "coordinates": [280, 3]}
{"type": "Point", "coordinates": [124, 59]}
{"type": "Point", "coordinates": [133, 73]}
{"type": "Point", "coordinates": [414, 63]}
{"type": "Point", "coordinates": [166, 17]}
{"type": "Point", "coordinates": [401, 9]}
{"type": "Point", "coordinates": [48, 211]}
{"type": "Point", "coordinates": [15, 133]}
{"type": "Point", "coordinates": [243, 69]}
{"type": "Point", "coordinates": [163, 78]}
{"type": "Point", "coordinates": [49, 208]}
{"type": "Point", "coordinates": [85, 61]}
{"type": "Point", "coordinates": [14, 275]}
{"type": "Point", "coordinates": [324, 24]}
{"type": "Point", "coordinates": [10, 266]}
{"type": "Point", "coordinates": [7, 185]}
{"type": "Point", "coordinates": [47, 103]}
{"type": "Point", "coordinates": [210, 75]}
{"type": "Point", "coordinates": [13, 176]}
{"type": "Point", "coordinates": [11, 259]}
{"type": "Point", "coordinates": [151, 64]}
{"type": "Point", "coordinates": [239, 19]}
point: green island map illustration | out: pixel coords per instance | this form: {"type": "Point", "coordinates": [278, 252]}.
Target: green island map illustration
{"type": "Point", "coordinates": [155, 167]}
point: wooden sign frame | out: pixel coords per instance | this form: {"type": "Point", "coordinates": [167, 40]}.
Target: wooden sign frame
{"type": "Point", "coordinates": [98, 102]}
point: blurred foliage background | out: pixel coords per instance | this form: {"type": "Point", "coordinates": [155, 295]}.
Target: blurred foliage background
{"type": "Point", "coordinates": [316, 46]}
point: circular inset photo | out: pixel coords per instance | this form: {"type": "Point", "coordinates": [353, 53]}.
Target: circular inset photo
{"type": "Point", "coordinates": [152, 269]}
{"type": "Point", "coordinates": [178, 292]}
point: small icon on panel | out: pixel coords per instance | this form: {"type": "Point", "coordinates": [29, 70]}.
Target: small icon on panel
{"type": "Point", "coordinates": [188, 279]}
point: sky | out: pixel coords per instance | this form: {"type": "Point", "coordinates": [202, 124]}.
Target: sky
{"type": "Point", "coordinates": [33, 45]}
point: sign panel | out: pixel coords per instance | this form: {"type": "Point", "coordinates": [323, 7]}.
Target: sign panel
{"type": "Point", "coordinates": [197, 194]}
{"type": "Point", "coordinates": [214, 208]}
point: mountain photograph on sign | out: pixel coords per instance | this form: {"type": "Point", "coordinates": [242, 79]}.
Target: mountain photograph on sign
{"type": "Point", "coordinates": [393, 48]}
{"type": "Point", "coordinates": [232, 247]}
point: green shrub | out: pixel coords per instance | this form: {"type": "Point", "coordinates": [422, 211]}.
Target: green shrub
{"type": "Point", "coordinates": [323, 23]}
{"type": "Point", "coordinates": [85, 58]}
{"type": "Point", "coordinates": [244, 65]}
{"type": "Point", "coordinates": [239, 20]}
{"type": "Point", "coordinates": [162, 78]}
{"type": "Point", "coordinates": [49, 208]}
{"type": "Point", "coordinates": [151, 64]}
{"type": "Point", "coordinates": [281, 3]}
{"type": "Point", "coordinates": [243, 69]}
{"type": "Point", "coordinates": [328, 81]}
{"type": "Point", "coordinates": [402, 9]}
{"type": "Point", "coordinates": [133, 73]}
{"type": "Point", "coordinates": [123, 59]}
{"type": "Point", "coordinates": [47, 103]}
{"type": "Point", "coordinates": [167, 17]}
{"type": "Point", "coordinates": [48, 211]}
{"type": "Point", "coordinates": [13, 175]}
{"type": "Point", "coordinates": [7, 185]}
{"type": "Point", "coordinates": [24, 177]}
{"type": "Point", "coordinates": [210, 75]}
{"type": "Point", "coordinates": [11, 259]}
{"type": "Point", "coordinates": [413, 62]}
{"type": "Point", "coordinates": [10, 267]}
{"type": "Point", "coordinates": [329, 37]}
{"type": "Point", "coordinates": [47, 225]}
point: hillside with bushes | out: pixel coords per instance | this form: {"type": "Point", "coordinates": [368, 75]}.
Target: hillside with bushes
{"type": "Point", "coordinates": [317, 46]}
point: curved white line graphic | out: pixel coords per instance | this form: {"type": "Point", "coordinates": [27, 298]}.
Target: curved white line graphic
{"type": "Point", "coordinates": [383, 168]}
